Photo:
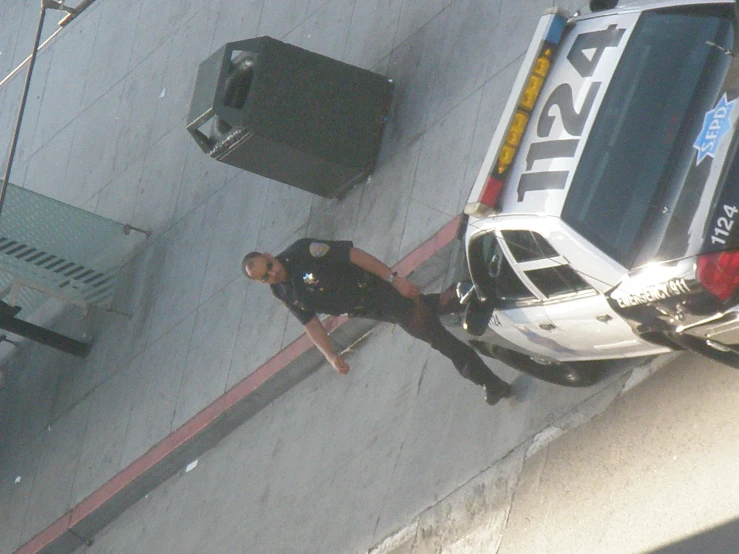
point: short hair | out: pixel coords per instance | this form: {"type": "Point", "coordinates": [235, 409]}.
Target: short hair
{"type": "Point", "coordinates": [247, 261]}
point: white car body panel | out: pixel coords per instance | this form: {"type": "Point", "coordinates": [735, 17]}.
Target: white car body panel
{"type": "Point", "coordinates": [580, 326]}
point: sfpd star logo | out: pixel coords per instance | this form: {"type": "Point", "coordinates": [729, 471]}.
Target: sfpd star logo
{"type": "Point", "coordinates": [716, 123]}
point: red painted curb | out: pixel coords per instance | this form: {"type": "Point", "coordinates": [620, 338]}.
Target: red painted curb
{"type": "Point", "coordinates": [221, 405]}
{"type": "Point", "coordinates": [52, 533]}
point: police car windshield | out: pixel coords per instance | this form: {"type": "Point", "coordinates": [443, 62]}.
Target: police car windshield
{"type": "Point", "coordinates": [665, 82]}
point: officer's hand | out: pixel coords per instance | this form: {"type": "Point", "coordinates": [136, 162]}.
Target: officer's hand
{"type": "Point", "coordinates": [407, 288]}
{"type": "Point", "coordinates": [340, 365]}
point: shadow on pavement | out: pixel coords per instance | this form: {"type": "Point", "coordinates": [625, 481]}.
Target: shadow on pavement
{"type": "Point", "coordinates": [719, 540]}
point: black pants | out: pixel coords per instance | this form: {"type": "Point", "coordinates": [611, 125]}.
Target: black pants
{"type": "Point", "coordinates": [419, 319]}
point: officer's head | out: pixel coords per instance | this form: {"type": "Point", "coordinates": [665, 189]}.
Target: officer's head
{"type": "Point", "coordinates": [263, 267]}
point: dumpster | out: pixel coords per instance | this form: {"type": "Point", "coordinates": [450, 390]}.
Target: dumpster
{"type": "Point", "coordinates": [294, 116]}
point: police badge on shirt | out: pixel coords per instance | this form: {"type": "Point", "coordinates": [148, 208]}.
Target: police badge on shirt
{"type": "Point", "coordinates": [318, 249]}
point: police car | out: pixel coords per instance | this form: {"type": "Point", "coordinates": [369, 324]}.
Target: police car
{"type": "Point", "coordinates": [604, 222]}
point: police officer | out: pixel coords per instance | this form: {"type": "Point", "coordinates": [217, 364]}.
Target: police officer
{"type": "Point", "coordinates": [333, 277]}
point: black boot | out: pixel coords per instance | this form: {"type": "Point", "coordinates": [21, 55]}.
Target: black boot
{"type": "Point", "coordinates": [479, 373]}
{"type": "Point", "coordinates": [494, 394]}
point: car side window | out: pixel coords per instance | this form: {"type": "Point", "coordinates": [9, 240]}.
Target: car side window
{"type": "Point", "coordinates": [492, 272]}
{"type": "Point", "coordinates": [553, 281]}
{"type": "Point", "coordinates": [542, 265]}
{"type": "Point", "coordinates": [526, 246]}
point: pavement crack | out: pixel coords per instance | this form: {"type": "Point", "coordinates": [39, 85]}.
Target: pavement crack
{"type": "Point", "coordinates": [420, 377]}
{"type": "Point", "coordinates": [511, 503]}
{"type": "Point", "coordinates": [375, 539]}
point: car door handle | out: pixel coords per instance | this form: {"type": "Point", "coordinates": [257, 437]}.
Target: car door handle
{"type": "Point", "coordinates": [605, 318]}
{"type": "Point", "coordinates": [547, 326]}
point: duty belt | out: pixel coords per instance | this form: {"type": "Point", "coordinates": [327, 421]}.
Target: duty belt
{"type": "Point", "coordinates": [369, 288]}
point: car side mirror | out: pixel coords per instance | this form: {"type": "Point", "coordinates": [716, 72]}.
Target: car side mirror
{"type": "Point", "coordinates": [476, 318]}
{"type": "Point", "coordinates": [465, 292]}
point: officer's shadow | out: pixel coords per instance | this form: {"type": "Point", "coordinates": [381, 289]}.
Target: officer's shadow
{"type": "Point", "coordinates": [524, 387]}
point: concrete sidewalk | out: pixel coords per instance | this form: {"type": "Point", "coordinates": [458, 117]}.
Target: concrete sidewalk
{"type": "Point", "coordinates": [632, 470]}
{"type": "Point", "coordinates": [104, 130]}
{"type": "Point", "coordinates": [399, 458]}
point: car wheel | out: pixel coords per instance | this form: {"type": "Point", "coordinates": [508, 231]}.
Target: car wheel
{"type": "Point", "coordinates": [567, 374]}
{"type": "Point", "coordinates": [712, 351]}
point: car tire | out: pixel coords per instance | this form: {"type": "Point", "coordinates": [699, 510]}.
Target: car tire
{"type": "Point", "coordinates": [571, 374]}
{"type": "Point", "coordinates": [702, 347]}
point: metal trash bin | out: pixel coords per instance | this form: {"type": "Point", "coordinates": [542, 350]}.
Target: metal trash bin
{"type": "Point", "coordinates": [290, 115]}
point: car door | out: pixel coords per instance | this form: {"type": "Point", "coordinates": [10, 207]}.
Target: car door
{"type": "Point", "coordinates": [519, 316]}
{"type": "Point", "coordinates": [580, 319]}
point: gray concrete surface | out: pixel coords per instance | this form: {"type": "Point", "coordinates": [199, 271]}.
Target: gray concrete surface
{"type": "Point", "coordinates": [653, 471]}
{"type": "Point", "coordinates": [659, 466]}
{"type": "Point", "coordinates": [336, 464]}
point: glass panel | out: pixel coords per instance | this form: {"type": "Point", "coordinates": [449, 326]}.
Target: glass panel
{"type": "Point", "coordinates": [665, 82]}
{"type": "Point", "coordinates": [66, 252]}
{"type": "Point", "coordinates": [553, 281]}
{"type": "Point", "coordinates": [526, 246]}
{"type": "Point", "coordinates": [492, 272]}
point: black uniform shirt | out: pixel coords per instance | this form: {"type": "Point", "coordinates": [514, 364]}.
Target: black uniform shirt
{"type": "Point", "coordinates": [321, 279]}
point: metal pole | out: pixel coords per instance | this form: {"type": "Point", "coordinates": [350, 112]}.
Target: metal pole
{"type": "Point", "coordinates": [21, 65]}
{"type": "Point", "coordinates": [63, 23]}
{"type": "Point", "coordinates": [16, 134]}
{"type": "Point", "coordinates": [8, 321]}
